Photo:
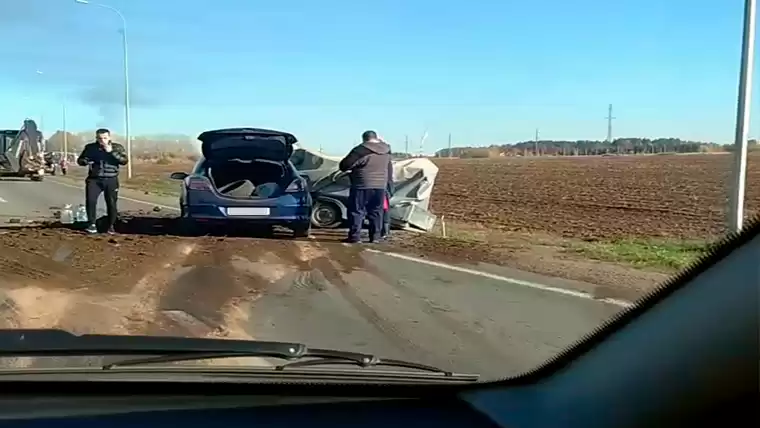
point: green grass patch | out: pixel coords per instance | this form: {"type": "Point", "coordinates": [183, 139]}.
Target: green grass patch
{"type": "Point", "coordinates": [157, 186]}
{"type": "Point", "coordinates": [151, 183]}
{"type": "Point", "coordinates": [658, 254]}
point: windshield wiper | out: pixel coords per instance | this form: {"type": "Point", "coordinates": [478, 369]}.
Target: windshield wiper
{"type": "Point", "coordinates": [57, 343]}
{"type": "Point", "coordinates": [51, 342]}
{"type": "Point", "coordinates": [309, 358]}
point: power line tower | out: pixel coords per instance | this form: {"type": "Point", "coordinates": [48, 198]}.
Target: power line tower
{"type": "Point", "coordinates": [450, 155]}
{"type": "Point", "coordinates": [535, 144]}
{"type": "Point", "coordinates": [609, 118]}
{"type": "Point", "coordinates": [406, 145]}
{"type": "Point", "coordinates": [422, 143]}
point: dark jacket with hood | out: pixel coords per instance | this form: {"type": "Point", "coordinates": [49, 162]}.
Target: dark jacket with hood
{"type": "Point", "coordinates": [369, 164]}
{"type": "Point", "coordinates": [102, 164]}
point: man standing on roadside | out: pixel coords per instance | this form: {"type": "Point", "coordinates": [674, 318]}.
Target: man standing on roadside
{"type": "Point", "coordinates": [103, 157]}
{"type": "Point", "coordinates": [64, 164]}
{"type": "Point", "coordinates": [386, 230]}
{"type": "Point", "coordinates": [369, 167]}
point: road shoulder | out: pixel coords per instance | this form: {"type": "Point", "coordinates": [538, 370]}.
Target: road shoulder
{"type": "Point", "coordinates": [544, 258]}
{"type": "Point", "coordinates": [139, 196]}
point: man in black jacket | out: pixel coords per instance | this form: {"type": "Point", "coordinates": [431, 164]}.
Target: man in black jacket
{"type": "Point", "coordinates": [369, 166]}
{"type": "Point", "coordinates": [104, 158]}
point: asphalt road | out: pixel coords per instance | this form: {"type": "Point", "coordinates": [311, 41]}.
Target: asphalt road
{"type": "Point", "coordinates": [29, 200]}
{"type": "Point", "coordinates": [496, 324]}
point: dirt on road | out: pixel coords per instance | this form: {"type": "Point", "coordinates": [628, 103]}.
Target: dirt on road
{"type": "Point", "coordinates": [149, 280]}
{"type": "Point", "coordinates": [143, 284]}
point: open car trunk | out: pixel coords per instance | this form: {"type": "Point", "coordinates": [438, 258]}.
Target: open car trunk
{"type": "Point", "coordinates": [247, 143]}
{"type": "Point", "coordinates": [248, 179]}
{"type": "Point", "coordinates": [248, 162]}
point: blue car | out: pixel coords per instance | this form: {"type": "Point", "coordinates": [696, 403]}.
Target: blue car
{"type": "Point", "coordinates": [245, 176]}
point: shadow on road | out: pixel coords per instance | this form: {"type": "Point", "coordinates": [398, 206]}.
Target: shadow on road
{"type": "Point", "coordinates": [18, 179]}
{"type": "Point", "coordinates": [156, 225]}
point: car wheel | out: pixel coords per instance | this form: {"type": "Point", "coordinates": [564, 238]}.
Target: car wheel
{"type": "Point", "coordinates": [302, 230]}
{"type": "Point", "coordinates": [326, 215]}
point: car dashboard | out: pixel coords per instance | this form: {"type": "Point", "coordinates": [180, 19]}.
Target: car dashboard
{"type": "Point", "coordinates": [237, 411]}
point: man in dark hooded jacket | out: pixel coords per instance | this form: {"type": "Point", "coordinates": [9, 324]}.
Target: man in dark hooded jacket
{"type": "Point", "coordinates": [370, 169]}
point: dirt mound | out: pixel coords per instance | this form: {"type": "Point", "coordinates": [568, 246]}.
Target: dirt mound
{"type": "Point", "coordinates": [149, 284]}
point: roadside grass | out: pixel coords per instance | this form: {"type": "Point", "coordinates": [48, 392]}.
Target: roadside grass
{"type": "Point", "coordinates": [150, 178]}
{"type": "Point", "coordinates": [157, 185]}
{"type": "Point", "coordinates": [643, 253]}
{"type": "Point", "coordinates": [661, 255]}
{"type": "Point", "coordinates": [153, 185]}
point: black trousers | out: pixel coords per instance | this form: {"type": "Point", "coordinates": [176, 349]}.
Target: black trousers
{"type": "Point", "coordinates": [361, 203]}
{"type": "Point", "coordinates": [109, 187]}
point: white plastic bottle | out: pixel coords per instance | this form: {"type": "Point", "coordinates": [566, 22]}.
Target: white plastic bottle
{"type": "Point", "coordinates": [67, 215]}
{"type": "Point", "coordinates": [81, 214]}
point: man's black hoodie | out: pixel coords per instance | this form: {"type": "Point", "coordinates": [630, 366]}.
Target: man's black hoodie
{"type": "Point", "coordinates": [370, 165]}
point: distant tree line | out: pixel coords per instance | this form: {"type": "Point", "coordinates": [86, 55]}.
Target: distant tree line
{"type": "Point", "coordinates": [629, 146]}
{"type": "Point", "coordinates": [140, 144]}
{"type": "Point", "coordinates": [150, 145]}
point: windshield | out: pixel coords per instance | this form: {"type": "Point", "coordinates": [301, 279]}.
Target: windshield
{"type": "Point", "coordinates": [472, 186]}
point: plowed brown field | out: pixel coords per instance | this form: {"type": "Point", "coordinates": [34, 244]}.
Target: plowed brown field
{"type": "Point", "coordinates": [683, 196]}
{"type": "Point", "coordinates": [678, 196]}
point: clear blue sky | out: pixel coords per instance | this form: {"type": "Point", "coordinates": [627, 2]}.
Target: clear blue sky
{"type": "Point", "coordinates": [485, 70]}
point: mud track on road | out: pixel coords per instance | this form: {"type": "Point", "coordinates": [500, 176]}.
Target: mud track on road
{"type": "Point", "coordinates": [151, 282]}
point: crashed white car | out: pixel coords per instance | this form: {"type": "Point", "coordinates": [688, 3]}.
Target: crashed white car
{"type": "Point", "coordinates": [413, 181]}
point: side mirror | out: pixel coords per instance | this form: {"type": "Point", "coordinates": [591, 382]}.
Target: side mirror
{"type": "Point", "coordinates": [178, 175]}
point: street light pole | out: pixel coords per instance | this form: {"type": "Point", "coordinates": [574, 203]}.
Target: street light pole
{"type": "Point", "coordinates": [65, 134]}
{"type": "Point", "coordinates": [736, 204]}
{"type": "Point", "coordinates": [42, 115]}
{"type": "Point", "coordinates": [126, 79]}
{"type": "Point", "coordinates": [127, 120]}
{"type": "Point", "coordinates": [63, 106]}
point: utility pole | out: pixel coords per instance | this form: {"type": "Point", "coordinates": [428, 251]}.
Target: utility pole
{"type": "Point", "coordinates": [42, 115]}
{"type": "Point", "coordinates": [450, 155]}
{"type": "Point", "coordinates": [422, 143]}
{"type": "Point", "coordinates": [65, 134]}
{"type": "Point", "coordinates": [535, 144]}
{"type": "Point", "coordinates": [609, 118]}
{"type": "Point", "coordinates": [406, 145]}
{"type": "Point", "coordinates": [736, 207]}
{"type": "Point", "coordinates": [125, 46]}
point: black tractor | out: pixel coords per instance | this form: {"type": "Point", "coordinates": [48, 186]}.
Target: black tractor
{"type": "Point", "coordinates": [22, 152]}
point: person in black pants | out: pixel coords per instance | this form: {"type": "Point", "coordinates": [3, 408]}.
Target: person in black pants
{"type": "Point", "coordinates": [104, 158]}
{"type": "Point", "coordinates": [368, 166]}
{"type": "Point", "coordinates": [386, 230]}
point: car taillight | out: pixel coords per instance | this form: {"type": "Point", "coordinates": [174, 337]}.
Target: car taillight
{"type": "Point", "coordinates": [296, 186]}
{"type": "Point", "coordinates": [198, 184]}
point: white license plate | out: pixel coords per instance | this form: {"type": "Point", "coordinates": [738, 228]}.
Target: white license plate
{"type": "Point", "coordinates": [239, 211]}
